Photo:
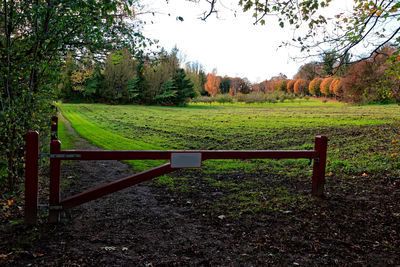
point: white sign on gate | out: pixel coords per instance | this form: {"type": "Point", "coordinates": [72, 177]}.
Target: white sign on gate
{"type": "Point", "coordinates": [185, 160]}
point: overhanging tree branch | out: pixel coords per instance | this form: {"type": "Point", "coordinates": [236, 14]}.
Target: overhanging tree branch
{"type": "Point", "coordinates": [211, 11]}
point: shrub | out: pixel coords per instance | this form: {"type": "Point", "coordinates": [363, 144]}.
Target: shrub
{"type": "Point", "coordinates": [278, 95]}
{"type": "Point", "coordinates": [271, 97]}
{"type": "Point", "coordinates": [291, 97]}
{"type": "Point", "coordinates": [204, 99]}
{"type": "Point", "coordinates": [224, 98]}
{"type": "Point", "coordinates": [251, 98]}
{"type": "Point", "coordinates": [240, 97]}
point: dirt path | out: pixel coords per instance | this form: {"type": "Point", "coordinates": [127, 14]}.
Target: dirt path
{"type": "Point", "coordinates": [130, 226]}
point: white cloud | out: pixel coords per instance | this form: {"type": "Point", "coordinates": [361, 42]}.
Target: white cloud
{"type": "Point", "coordinates": [232, 45]}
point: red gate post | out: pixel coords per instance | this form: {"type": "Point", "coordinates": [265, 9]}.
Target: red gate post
{"type": "Point", "coordinates": [31, 176]}
{"type": "Point", "coordinates": [55, 173]}
{"type": "Point", "coordinates": [318, 177]}
{"type": "Point", "coordinates": [54, 128]}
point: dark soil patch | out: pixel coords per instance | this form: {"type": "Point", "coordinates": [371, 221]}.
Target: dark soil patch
{"type": "Point", "coordinates": [357, 223]}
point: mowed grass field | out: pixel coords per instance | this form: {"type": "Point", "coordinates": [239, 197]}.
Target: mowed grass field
{"type": "Point", "coordinates": [363, 146]}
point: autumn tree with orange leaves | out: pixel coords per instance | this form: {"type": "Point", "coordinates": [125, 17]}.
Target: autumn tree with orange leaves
{"type": "Point", "coordinates": [324, 86]}
{"type": "Point", "coordinates": [300, 87]}
{"type": "Point", "coordinates": [336, 87]}
{"type": "Point", "coordinates": [314, 85]}
{"type": "Point", "coordinates": [212, 84]}
{"type": "Point", "coordinates": [289, 86]}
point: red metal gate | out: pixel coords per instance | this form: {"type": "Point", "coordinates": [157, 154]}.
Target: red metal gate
{"type": "Point", "coordinates": [56, 205]}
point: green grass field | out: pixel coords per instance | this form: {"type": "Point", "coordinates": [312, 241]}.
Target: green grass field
{"type": "Point", "coordinates": [363, 142]}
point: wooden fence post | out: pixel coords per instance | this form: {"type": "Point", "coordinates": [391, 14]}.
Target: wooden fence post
{"type": "Point", "coordinates": [318, 177]}
{"type": "Point", "coordinates": [31, 176]}
{"type": "Point", "coordinates": [55, 173]}
{"type": "Point", "coordinates": [54, 128]}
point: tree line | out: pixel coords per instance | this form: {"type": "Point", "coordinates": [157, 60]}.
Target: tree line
{"type": "Point", "coordinates": [125, 79]}
{"type": "Point", "coordinates": [371, 80]}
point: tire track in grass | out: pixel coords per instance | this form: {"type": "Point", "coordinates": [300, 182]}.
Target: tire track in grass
{"type": "Point", "coordinates": [66, 137]}
{"type": "Point", "coordinates": [109, 141]}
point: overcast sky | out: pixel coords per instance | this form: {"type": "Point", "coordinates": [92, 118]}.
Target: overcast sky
{"type": "Point", "coordinates": [232, 45]}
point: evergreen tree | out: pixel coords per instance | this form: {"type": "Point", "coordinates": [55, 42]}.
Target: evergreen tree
{"type": "Point", "coordinates": [184, 88]}
{"type": "Point", "coordinates": [224, 85]}
{"type": "Point", "coordinates": [329, 60]}
{"type": "Point", "coordinates": [168, 95]}
{"type": "Point", "coordinates": [203, 80]}
{"type": "Point", "coordinates": [93, 85]}
{"type": "Point", "coordinates": [138, 85]}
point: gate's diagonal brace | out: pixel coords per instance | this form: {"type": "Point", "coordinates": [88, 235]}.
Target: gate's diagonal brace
{"type": "Point", "coordinates": [120, 184]}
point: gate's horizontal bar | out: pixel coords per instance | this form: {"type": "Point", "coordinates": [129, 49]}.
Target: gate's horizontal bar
{"type": "Point", "coordinates": [206, 154]}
